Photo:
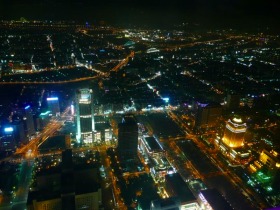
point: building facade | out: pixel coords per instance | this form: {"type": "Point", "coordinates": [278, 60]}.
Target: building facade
{"type": "Point", "coordinates": [53, 105]}
{"type": "Point", "coordinates": [85, 116]}
{"type": "Point", "coordinates": [234, 133]}
{"type": "Point", "coordinates": [128, 138]}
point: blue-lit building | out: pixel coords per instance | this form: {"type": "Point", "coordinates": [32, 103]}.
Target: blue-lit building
{"type": "Point", "coordinates": [85, 116]}
{"type": "Point", "coordinates": [7, 139]}
{"type": "Point", "coordinates": [53, 105]}
{"type": "Point", "coordinates": [43, 119]}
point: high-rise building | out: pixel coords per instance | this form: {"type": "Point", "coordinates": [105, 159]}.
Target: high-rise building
{"type": "Point", "coordinates": [28, 121]}
{"type": "Point", "coordinates": [232, 143]}
{"type": "Point", "coordinates": [127, 138]}
{"type": "Point", "coordinates": [53, 105]}
{"type": "Point", "coordinates": [85, 116]}
{"type": "Point", "coordinates": [233, 101]}
{"type": "Point", "coordinates": [234, 133]}
{"type": "Point", "coordinates": [7, 139]}
{"type": "Point", "coordinates": [19, 132]}
{"type": "Point", "coordinates": [24, 114]}
{"type": "Point", "coordinates": [207, 114]}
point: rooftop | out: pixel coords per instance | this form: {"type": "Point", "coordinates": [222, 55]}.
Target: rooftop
{"type": "Point", "coordinates": [152, 143]}
{"type": "Point", "coordinates": [215, 199]}
{"type": "Point", "coordinates": [180, 188]}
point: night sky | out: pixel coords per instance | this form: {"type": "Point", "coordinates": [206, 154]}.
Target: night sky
{"type": "Point", "coordinates": [219, 13]}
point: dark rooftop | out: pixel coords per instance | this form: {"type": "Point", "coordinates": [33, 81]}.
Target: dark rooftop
{"type": "Point", "coordinates": [215, 199]}
{"type": "Point", "coordinates": [172, 203]}
{"type": "Point", "coordinates": [152, 143]}
{"type": "Point", "coordinates": [179, 188]}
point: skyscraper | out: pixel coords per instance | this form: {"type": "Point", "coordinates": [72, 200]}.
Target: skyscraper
{"type": "Point", "coordinates": [28, 121]}
{"type": "Point", "coordinates": [53, 105]}
{"type": "Point", "coordinates": [127, 138]}
{"type": "Point", "coordinates": [207, 115]}
{"type": "Point", "coordinates": [234, 133]}
{"type": "Point", "coordinates": [85, 116]}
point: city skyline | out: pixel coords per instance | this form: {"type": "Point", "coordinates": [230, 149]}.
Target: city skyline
{"type": "Point", "coordinates": [246, 14]}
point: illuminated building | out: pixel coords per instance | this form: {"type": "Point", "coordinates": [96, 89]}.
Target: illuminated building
{"type": "Point", "coordinates": [43, 120]}
{"type": "Point", "coordinates": [211, 199]}
{"type": "Point", "coordinates": [53, 105]}
{"type": "Point", "coordinates": [152, 50]}
{"type": "Point", "coordinates": [7, 140]}
{"type": "Point", "coordinates": [267, 171]}
{"type": "Point", "coordinates": [153, 153]}
{"type": "Point", "coordinates": [232, 142]}
{"type": "Point", "coordinates": [85, 116]}
{"type": "Point", "coordinates": [103, 131]}
{"type": "Point", "coordinates": [234, 133]}
{"type": "Point", "coordinates": [151, 147]}
{"type": "Point", "coordinates": [176, 187]}
{"type": "Point", "coordinates": [270, 159]}
{"type": "Point", "coordinates": [127, 138]}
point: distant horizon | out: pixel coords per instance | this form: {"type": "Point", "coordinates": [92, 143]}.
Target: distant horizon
{"type": "Point", "coordinates": [180, 24]}
{"type": "Point", "coordinates": [242, 14]}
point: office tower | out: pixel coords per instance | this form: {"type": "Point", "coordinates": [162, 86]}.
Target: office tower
{"type": "Point", "coordinates": [207, 114]}
{"type": "Point", "coordinates": [127, 138]}
{"type": "Point", "coordinates": [28, 121]}
{"type": "Point", "coordinates": [233, 101]}
{"type": "Point", "coordinates": [7, 139]}
{"type": "Point", "coordinates": [42, 119]}
{"type": "Point", "coordinates": [234, 133]}
{"type": "Point", "coordinates": [19, 132]}
{"type": "Point", "coordinates": [53, 105]}
{"type": "Point", "coordinates": [85, 116]}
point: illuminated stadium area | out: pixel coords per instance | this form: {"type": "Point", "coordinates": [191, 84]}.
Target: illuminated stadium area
{"type": "Point", "coordinates": [155, 155]}
{"type": "Point", "coordinates": [151, 147]}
